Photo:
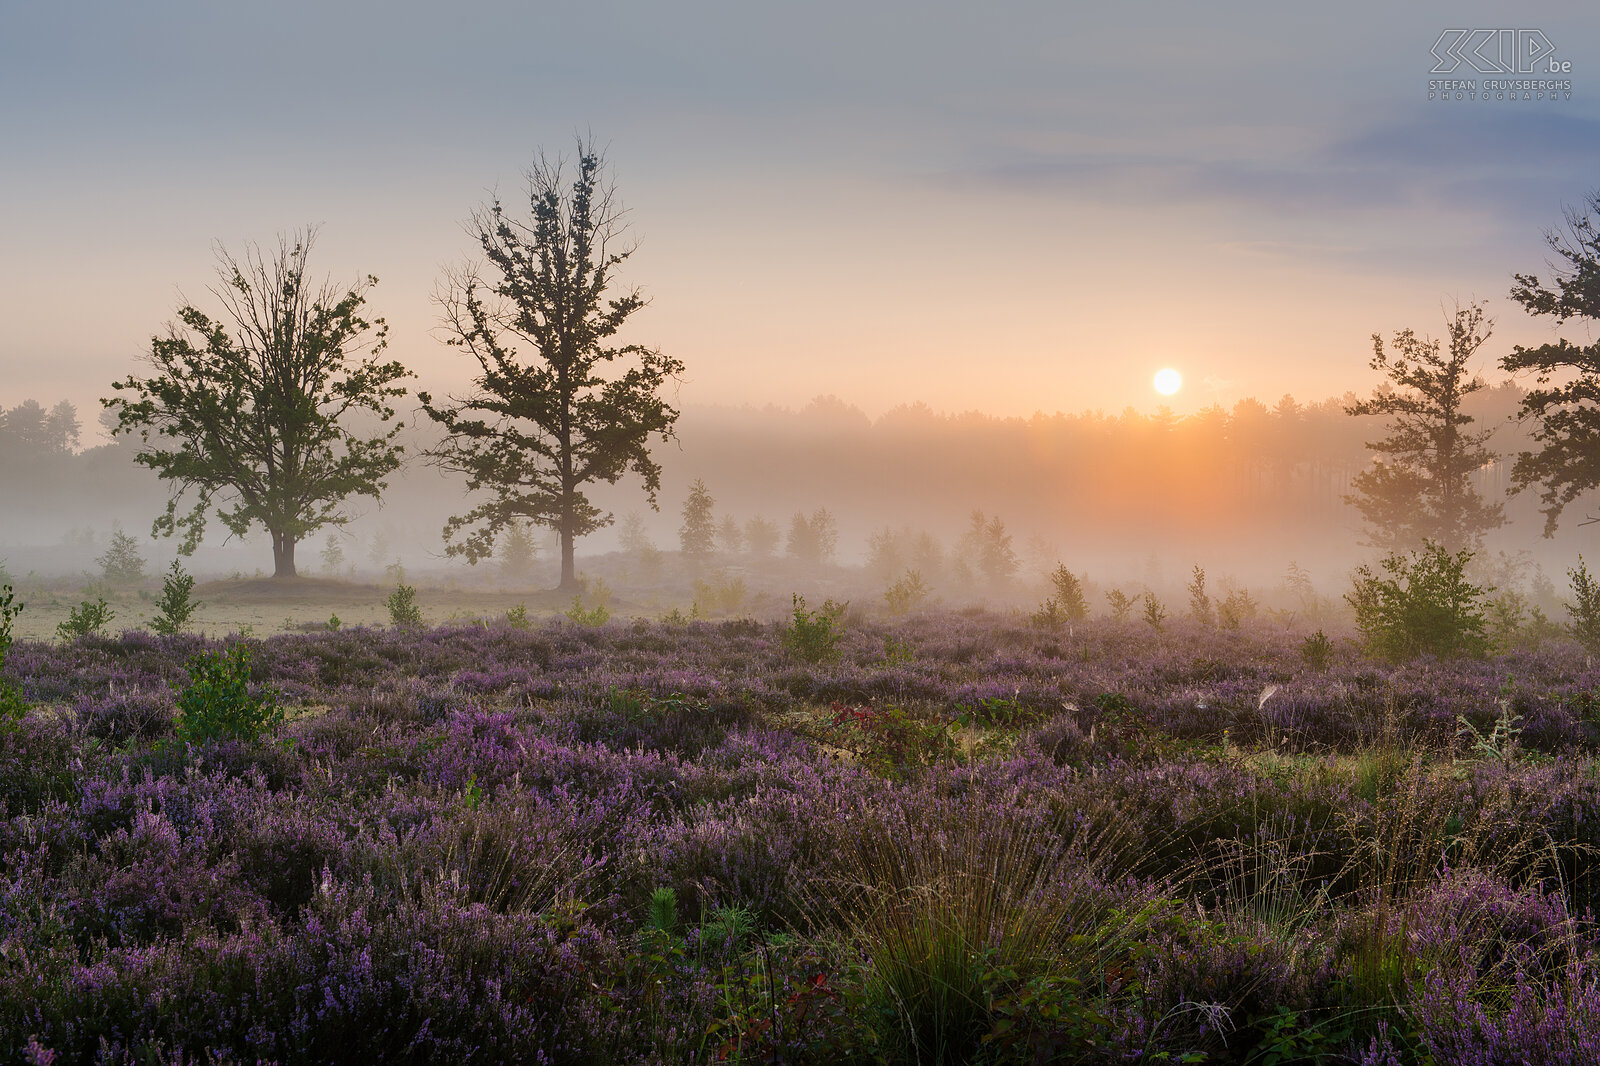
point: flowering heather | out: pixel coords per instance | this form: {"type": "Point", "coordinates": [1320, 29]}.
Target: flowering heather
{"type": "Point", "coordinates": [990, 843]}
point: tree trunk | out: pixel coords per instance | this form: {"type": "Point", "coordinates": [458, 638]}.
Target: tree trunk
{"type": "Point", "coordinates": [283, 555]}
{"type": "Point", "coordinates": [569, 571]}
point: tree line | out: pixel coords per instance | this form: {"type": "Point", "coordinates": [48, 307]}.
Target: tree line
{"type": "Point", "coordinates": [247, 413]}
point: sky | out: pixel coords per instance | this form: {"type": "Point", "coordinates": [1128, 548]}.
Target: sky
{"type": "Point", "coordinates": [1002, 207]}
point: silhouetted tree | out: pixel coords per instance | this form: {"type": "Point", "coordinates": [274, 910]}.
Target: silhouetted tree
{"type": "Point", "coordinates": [1566, 415]}
{"type": "Point", "coordinates": [761, 537]}
{"type": "Point", "coordinates": [730, 536]}
{"type": "Point", "coordinates": [697, 535]}
{"type": "Point", "coordinates": [986, 548]}
{"type": "Point", "coordinates": [518, 550]}
{"type": "Point", "coordinates": [1420, 486]}
{"type": "Point", "coordinates": [545, 421]}
{"type": "Point", "coordinates": [813, 539]}
{"type": "Point", "coordinates": [250, 408]}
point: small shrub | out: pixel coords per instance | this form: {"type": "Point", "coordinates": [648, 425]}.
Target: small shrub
{"type": "Point", "coordinates": [217, 703]}
{"type": "Point", "coordinates": [721, 595]}
{"type": "Point", "coordinates": [906, 594]}
{"type": "Point", "coordinates": [175, 605]}
{"type": "Point", "coordinates": [814, 635]}
{"type": "Point", "coordinates": [84, 619]}
{"type": "Point", "coordinates": [597, 615]}
{"type": "Point", "coordinates": [1154, 612]}
{"type": "Point", "coordinates": [1050, 615]}
{"type": "Point", "coordinates": [122, 564]}
{"type": "Point", "coordinates": [517, 617]}
{"type": "Point", "coordinates": [403, 610]}
{"type": "Point", "coordinates": [334, 623]}
{"type": "Point", "coordinates": [1424, 606]}
{"type": "Point", "coordinates": [1069, 593]}
{"type": "Point", "coordinates": [1584, 610]}
{"type": "Point", "coordinates": [1121, 604]}
{"type": "Point", "coordinates": [11, 705]}
{"type": "Point", "coordinates": [1199, 602]}
{"type": "Point", "coordinates": [1317, 651]}
{"type": "Point", "coordinates": [1236, 608]}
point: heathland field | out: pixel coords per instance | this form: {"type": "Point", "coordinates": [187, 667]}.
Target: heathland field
{"type": "Point", "coordinates": [959, 837]}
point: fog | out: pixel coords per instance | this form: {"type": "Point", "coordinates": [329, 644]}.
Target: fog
{"type": "Point", "coordinates": [1130, 500]}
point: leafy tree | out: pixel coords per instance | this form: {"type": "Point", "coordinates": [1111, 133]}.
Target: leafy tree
{"type": "Point", "coordinates": [730, 536]}
{"type": "Point", "coordinates": [1566, 416]}
{"type": "Point", "coordinates": [540, 321]}
{"type": "Point", "coordinates": [175, 604]}
{"type": "Point", "coordinates": [249, 409]}
{"type": "Point", "coordinates": [1420, 486]}
{"type": "Point", "coordinates": [761, 537]}
{"type": "Point", "coordinates": [1423, 604]}
{"type": "Point", "coordinates": [986, 546]}
{"type": "Point", "coordinates": [122, 564]}
{"type": "Point", "coordinates": [1200, 607]}
{"type": "Point", "coordinates": [518, 550]}
{"type": "Point", "coordinates": [697, 536]}
{"type": "Point", "coordinates": [813, 539]}
{"type": "Point", "coordinates": [1584, 610]}
{"type": "Point", "coordinates": [1069, 593]}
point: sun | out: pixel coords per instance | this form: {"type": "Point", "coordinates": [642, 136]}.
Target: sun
{"type": "Point", "coordinates": [1168, 381]}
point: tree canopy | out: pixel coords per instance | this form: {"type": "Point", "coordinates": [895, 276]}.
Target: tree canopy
{"type": "Point", "coordinates": [1419, 486]}
{"type": "Point", "coordinates": [1565, 413]}
{"type": "Point", "coordinates": [553, 411]}
{"type": "Point", "coordinates": [248, 409]}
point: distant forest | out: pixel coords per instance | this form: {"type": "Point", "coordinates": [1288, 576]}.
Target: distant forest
{"type": "Point", "coordinates": [1246, 488]}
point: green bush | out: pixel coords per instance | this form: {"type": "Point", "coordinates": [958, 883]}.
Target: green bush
{"type": "Point", "coordinates": [1584, 610]}
{"type": "Point", "coordinates": [11, 705]}
{"type": "Point", "coordinates": [84, 619]}
{"type": "Point", "coordinates": [1317, 651]}
{"type": "Point", "coordinates": [175, 605]}
{"type": "Point", "coordinates": [814, 635]}
{"type": "Point", "coordinates": [906, 594]}
{"type": "Point", "coordinates": [517, 617]}
{"type": "Point", "coordinates": [1423, 605]}
{"type": "Point", "coordinates": [597, 615]}
{"type": "Point", "coordinates": [217, 703]}
{"type": "Point", "coordinates": [1069, 593]}
{"type": "Point", "coordinates": [403, 610]}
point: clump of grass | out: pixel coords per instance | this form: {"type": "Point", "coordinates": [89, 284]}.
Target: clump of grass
{"type": "Point", "coordinates": [959, 914]}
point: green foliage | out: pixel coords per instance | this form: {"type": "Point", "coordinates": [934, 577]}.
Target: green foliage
{"type": "Point", "coordinates": [403, 610]}
{"type": "Point", "coordinates": [1317, 651]}
{"type": "Point", "coordinates": [720, 595]}
{"type": "Point", "coordinates": [517, 617]}
{"type": "Point", "coordinates": [121, 564]}
{"type": "Point", "coordinates": [1584, 610]}
{"type": "Point", "coordinates": [334, 623]}
{"type": "Point", "coordinates": [891, 740]}
{"type": "Point", "coordinates": [906, 594]}
{"type": "Point", "coordinates": [518, 550]}
{"type": "Point", "coordinates": [1499, 744]}
{"type": "Point", "coordinates": [1069, 593]}
{"type": "Point", "coordinates": [11, 705]}
{"type": "Point", "coordinates": [813, 540]}
{"type": "Point", "coordinates": [697, 538]}
{"type": "Point", "coordinates": [551, 414]}
{"type": "Point", "coordinates": [1200, 608]}
{"type": "Point", "coordinates": [1566, 417]}
{"type": "Point", "coordinates": [1424, 605]}
{"type": "Point", "coordinates": [217, 703]}
{"type": "Point", "coordinates": [175, 605]}
{"type": "Point", "coordinates": [247, 409]}
{"type": "Point", "coordinates": [597, 615]}
{"type": "Point", "coordinates": [1236, 608]}
{"type": "Point", "coordinates": [813, 636]}
{"type": "Point", "coordinates": [986, 548]}
{"type": "Point", "coordinates": [332, 555]}
{"type": "Point", "coordinates": [661, 916]}
{"type": "Point", "coordinates": [1154, 613]}
{"type": "Point", "coordinates": [1420, 488]}
{"type": "Point", "coordinates": [1050, 615]}
{"type": "Point", "coordinates": [1121, 604]}
{"type": "Point", "coordinates": [84, 619]}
